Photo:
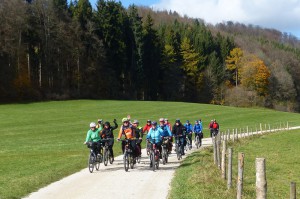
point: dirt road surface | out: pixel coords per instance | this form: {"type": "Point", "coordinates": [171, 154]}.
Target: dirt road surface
{"type": "Point", "coordinates": [112, 182]}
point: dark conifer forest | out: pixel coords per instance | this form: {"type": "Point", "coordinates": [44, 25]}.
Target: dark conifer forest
{"type": "Point", "coordinates": [59, 50]}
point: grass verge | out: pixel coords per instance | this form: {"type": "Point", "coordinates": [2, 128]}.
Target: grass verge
{"type": "Point", "coordinates": [42, 142]}
{"type": "Point", "coordinates": [198, 177]}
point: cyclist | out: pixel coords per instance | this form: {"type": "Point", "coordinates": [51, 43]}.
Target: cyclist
{"type": "Point", "coordinates": [179, 131]}
{"type": "Point", "coordinates": [138, 135]}
{"type": "Point", "coordinates": [166, 132]}
{"type": "Point", "coordinates": [100, 124]}
{"type": "Point", "coordinates": [155, 136]}
{"type": "Point", "coordinates": [93, 138]}
{"type": "Point", "coordinates": [189, 130]}
{"type": "Point", "coordinates": [171, 140]}
{"type": "Point", "coordinates": [198, 130]}
{"type": "Point", "coordinates": [215, 127]}
{"type": "Point", "coordinates": [210, 126]}
{"type": "Point", "coordinates": [107, 133]}
{"type": "Point", "coordinates": [147, 127]}
{"type": "Point", "coordinates": [129, 132]}
{"type": "Point", "coordinates": [168, 123]}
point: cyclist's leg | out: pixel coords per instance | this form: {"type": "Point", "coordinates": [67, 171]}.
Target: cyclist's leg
{"type": "Point", "coordinates": [182, 144]}
{"type": "Point", "coordinates": [110, 147]}
{"type": "Point", "coordinates": [190, 138]}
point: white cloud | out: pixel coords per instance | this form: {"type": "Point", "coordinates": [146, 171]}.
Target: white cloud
{"type": "Point", "coordinates": [283, 15]}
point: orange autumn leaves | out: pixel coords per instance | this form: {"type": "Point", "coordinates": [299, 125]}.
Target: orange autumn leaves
{"type": "Point", "coordinates": [248, 71]}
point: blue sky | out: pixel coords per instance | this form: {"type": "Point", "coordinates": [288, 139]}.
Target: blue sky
{"type": "Point", "coordinates": [282, 15]}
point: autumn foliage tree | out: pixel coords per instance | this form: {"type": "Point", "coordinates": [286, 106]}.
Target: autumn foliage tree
{"type": "Point", "coordinates": [233, 64]}
{"type": "Point", "coordinates": [255, 75]}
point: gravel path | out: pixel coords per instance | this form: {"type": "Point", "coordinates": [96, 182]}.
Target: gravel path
{"type": "Point", "coordinates": [112, 181]}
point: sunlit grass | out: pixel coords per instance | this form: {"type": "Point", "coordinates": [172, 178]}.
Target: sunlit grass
{"type": "Point", "coordinates": [198, 177]}
{"type": "Point", "coordinates": [43, 142]}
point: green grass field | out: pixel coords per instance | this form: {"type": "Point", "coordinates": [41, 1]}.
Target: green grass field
{"type": "Point", "coordinates": [198, 177]}
{"type": "Point", "coordinates": [43, 142]}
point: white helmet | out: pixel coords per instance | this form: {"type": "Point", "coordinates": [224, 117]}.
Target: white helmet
{"type": "Point", "coordinates": [92, 124]}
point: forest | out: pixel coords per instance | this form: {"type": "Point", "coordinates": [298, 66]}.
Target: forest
{"type": "Point", "coordinates": [59, 50]}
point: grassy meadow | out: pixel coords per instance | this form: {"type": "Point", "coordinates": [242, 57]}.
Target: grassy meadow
{"type": "Point", "coordinates": [198, 177]}
{"type": "Point", "coordinates": [43, 142]}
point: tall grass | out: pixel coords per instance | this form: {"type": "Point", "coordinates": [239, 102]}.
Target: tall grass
{"type": "Point", "coordinates": [43, 142]}
{"type": "Point", "coordinates": [198, 177]}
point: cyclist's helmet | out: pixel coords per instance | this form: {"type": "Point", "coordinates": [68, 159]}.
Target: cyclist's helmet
{"type": "Point", "coordinates": [148, 121]}
{"type": "Point", "coordinates": [100, 121]}
{"type": "Point", "coordinates": [135, 122]}
{"type": "Point", "coordinates": [166, 119]}
{"type": "Point", "coordinates": [177, 121]}
{"type": "Point", "coordinates": [106, 124]}
{"type": "Point", "coordinates": [161, 120]}
{"type": "Point", "coordinates": [92, 124]}
{"type": "Point", "coordinates": [154, 123]}
{"type": "Point", "coordinates": [187, 121]}
{"type": "Point", "coordinates": [125, 119]}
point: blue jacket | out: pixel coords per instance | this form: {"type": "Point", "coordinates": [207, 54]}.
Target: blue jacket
{"type": "Point", "coordinates": [155, 133]}
{"type": "Point", "coordinates": [198, 128]}
{"type": "Point", "coordinates": [189, 128]}
{"type": "Point", "coordinates": [166, 131]}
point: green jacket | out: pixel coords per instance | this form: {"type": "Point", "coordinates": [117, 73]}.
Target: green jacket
{"type": "Point", "coordinates": [93, 135]}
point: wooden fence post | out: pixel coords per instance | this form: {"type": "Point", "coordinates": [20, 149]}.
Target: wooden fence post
{"type": "Point", "coordinates": [229, 169]}
{"type": "Point", "coordinates": [223, 162]}
{"type": "Point", "coordinates": [215, 149]}
{"type": "Point", "coordinates": [260, 128]}
{"type": "Point", "coordinates": [240, 175]}
{"type": "Point", "coordinates": [233, 135]}
{"type": "Point", "coordinates": [218, 153]}
{"type": "Point", "coordinates": [261, 182]}
{"type": "Point", "coordinates": [293, 190]}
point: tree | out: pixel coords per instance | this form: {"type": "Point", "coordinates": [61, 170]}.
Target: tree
{"type": "Point", "coordinates": [255, 75]}
{"type": "Point", "coordinates": [233, 63]}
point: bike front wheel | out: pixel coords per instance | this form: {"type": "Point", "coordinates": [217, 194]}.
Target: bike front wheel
{"type": "Point", "coordinates": [91, 162]}
{"type": "Point", "coordinates": [105, 158]}
{"type": "Point", "coordinates": [126, 162]}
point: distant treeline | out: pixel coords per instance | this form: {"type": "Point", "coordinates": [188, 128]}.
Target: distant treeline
{"type": "Point", "coordinates": [55, 50]}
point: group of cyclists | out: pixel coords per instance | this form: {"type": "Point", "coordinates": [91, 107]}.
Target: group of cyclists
{"type": "Point", "coordinates": [155, 133]}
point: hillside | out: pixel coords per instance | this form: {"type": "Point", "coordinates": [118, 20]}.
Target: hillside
{"type": "Point", "coordinates": [55, 50]}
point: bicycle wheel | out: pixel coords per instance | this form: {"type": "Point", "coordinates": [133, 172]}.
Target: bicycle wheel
{"type": "Point", "coordinates": [105, 157]}
{"type": "Point", "coordinates": [153, 160]}
{"type": "Point", "coordinates": [91, 162]}
{"type": "Point", "coordinates": [157, 161]}
{"type": "Point", "coordinates": [197, 141]}
{"type": "Point", "coordinates": [178, 151]}
{"type": "Point", "coordinates": [151, 157]}
{"type": "Point", "coordinates": [131, 159]}
{"type": "Point", "coordinates": [97, 162]}
{"type": "Point", "coordinates": [110, 157]}
{"type": "Point", "coordinates": [126, 161]}
{"type": "Point", "coordinates": [163, 155]}
{"type": "Point", "coordinates": [138, 159]}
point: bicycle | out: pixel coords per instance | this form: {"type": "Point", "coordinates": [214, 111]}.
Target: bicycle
{"type": "Point", "coordinates": [107, 156]}
{"type": "Point", "coordinates": [198, 138]}
{"type": "Point", "coordinates": [94, 159]}
{"type": "Point", "coordinates": [178, 147]}
{"type": "Point", "coordinates": [128, 157]}
{"type": "Point", "coordinates": [188, 145]}
{"type": "Point", "coordinates": [154, 156]}
{"type": "Point", "coordinates": [164, 152]}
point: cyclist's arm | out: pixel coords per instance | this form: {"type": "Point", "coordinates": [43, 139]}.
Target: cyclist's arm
{"type": "Point", "coordinates": [88, 136]}
{"type": "Point", "coordinates": [120, 133]}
